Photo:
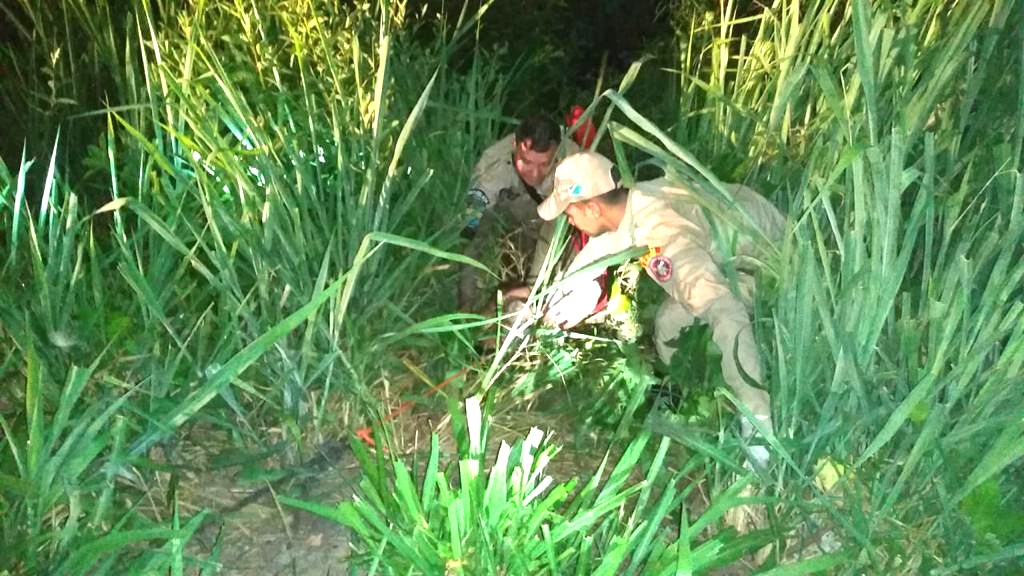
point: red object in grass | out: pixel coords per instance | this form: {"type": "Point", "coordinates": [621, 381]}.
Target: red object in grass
{"type": "Point", "coordinates": [366, 433]}
{"type": "Point", "coordinates": [584, 135]}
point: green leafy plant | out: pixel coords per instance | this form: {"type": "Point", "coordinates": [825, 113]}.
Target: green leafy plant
{"type": "Point", "coordinates": [253, 188]}
{"type": "Point", "coordinates": [893, 134]}
{"type": "Point", "coordinates": [512, 517]}
{"type": "Point", "coordinates": [246, 222]}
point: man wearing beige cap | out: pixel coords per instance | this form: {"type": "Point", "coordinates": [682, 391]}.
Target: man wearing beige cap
{"type": "Point", "coordinates": [511, 178]}
{"type": "Point", "coordinates": [683, 258]}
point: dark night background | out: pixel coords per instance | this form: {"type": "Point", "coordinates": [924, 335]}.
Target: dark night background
{"type": "Point", "coordinates": [553, 48]}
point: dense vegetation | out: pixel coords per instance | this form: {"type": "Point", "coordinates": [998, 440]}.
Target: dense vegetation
{"type": "Point", "coordinates": [237, 216]}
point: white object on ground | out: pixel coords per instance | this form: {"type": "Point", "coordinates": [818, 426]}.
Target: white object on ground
{"type": "Point", "coordinates": [758, 456]}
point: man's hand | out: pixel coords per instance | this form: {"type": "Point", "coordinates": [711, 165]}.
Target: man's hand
{"type": "Point", "coordinates": [516, 293]}
{"type": "Point", "coordinates": [570, 308]}
{"type": "Point", "coordinates": [554, 321]}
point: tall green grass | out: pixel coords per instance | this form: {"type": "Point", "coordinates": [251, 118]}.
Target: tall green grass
{"type": "Point", "coordinates": [246, 219]}
{"type": "Point", "coordinates": [889, 318]}
{"type": "Point", "coordinates": [277, 180]}
{"type": "Point", "coordinates": [893, 134]}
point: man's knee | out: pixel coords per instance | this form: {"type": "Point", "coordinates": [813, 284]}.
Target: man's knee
{"type": "Point", "coordinates": [671, 319]}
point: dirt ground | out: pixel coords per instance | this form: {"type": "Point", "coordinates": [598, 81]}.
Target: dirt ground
{"type": "Point", "coordinates": [248, 533]}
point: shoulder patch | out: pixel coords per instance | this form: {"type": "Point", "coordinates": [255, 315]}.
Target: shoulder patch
{"type": "Point", "coordinates": [660, 268]}
{"type": "Point", "coordinates": [477, 197]}
{"type": "Point", "coordinates": [657, 265]}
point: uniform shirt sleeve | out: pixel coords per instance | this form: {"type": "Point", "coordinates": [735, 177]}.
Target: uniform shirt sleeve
{"type": "Point", "coordinates": [687, 272]}
{"type": "Point", "coordinates": [485, 187]}
{"type": "Point", "coordinates": [579, 294]}
{"type": "Point", "coordinates": [493, 172]}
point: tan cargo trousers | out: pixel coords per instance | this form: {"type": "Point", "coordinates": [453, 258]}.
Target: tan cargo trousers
{"type": "Point", "coordinates": [732, 333]}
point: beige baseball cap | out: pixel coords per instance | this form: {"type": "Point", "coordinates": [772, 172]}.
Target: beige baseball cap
{"type": "Point", "coordinates": [580, 176]}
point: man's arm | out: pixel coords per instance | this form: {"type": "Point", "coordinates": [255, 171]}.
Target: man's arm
{"type": "Point", "coordinates": [472, 280]}
{"type": "Point", "coordinates": [481, 222]}
{"type": "Point", "coordinates": [482, 197]}
{"type": "Point", "coordinates": [577, 297]}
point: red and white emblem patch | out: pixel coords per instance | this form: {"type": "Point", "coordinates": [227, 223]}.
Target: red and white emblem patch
{"type": "Point", "coordinates": [660, 268]}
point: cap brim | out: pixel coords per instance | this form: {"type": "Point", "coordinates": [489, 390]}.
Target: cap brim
{"type": "Point", "coordinates": [551, 208]}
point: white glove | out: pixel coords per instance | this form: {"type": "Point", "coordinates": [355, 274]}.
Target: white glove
{"type": "Point", "coordinates": [758, 456]}
{"type": "Point", "coordinates": [572, 306]}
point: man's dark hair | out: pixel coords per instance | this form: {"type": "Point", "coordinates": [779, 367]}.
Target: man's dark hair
{"type": "Point", "coordinates": [541, 132]}
{"type": "Point", "coordinates": [617, 195]}
{"type": "Point", "coordinates": [614, 197]}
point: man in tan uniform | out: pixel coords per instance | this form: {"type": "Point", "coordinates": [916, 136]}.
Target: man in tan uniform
{"type": "Point", "coordinates": [683, 258]}
{"type": "Point", "coordinates": [512, 177]}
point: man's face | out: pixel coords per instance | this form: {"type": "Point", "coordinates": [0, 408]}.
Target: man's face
{"type": "Point", "coordinates": [585, 217]}
{"type": "Point", "coordinates": [533, 166]}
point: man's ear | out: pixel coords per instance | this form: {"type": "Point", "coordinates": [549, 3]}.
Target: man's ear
{"type": "Point", "coordinates": [593, 209]}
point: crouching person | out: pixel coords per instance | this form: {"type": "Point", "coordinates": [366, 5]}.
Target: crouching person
{"type": "Point", "coordinates": [512, 177]}
{"type": "Point", "coordinates": [682, 258]}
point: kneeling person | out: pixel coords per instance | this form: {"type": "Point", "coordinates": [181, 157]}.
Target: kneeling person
{"type": "Point", "coordinates": [512, 177]}
{"type": "Point", "coordinates": [682, 258]}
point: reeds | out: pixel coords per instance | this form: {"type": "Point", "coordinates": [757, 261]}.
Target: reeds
{"type": "Point", "coordinates": [254, 217]}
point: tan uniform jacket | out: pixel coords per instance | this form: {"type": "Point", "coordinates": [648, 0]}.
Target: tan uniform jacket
{"type": "Point", "coordinates": [687, 264]}
{"type": "Point", "coordinates": [506, 208]}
